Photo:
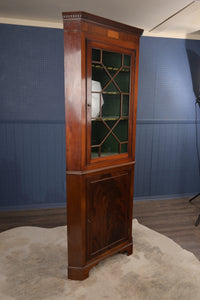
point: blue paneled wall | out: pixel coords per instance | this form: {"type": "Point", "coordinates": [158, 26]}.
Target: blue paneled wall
{"type": "Point", "coordinates": [166, 155]}
{"type": "Point", "coordinates": [32, 133]}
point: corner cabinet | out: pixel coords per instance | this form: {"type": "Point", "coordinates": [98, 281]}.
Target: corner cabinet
{"type": "Point", "coordinates": [101, 72]}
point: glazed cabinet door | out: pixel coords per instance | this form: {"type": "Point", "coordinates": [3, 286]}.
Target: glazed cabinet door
{"type": "Point", "coordinates": [108, 211]}
{"type": "Point", "coordinates": [110, 105]}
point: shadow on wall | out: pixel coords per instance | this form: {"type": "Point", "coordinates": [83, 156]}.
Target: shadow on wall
{"type": "Point", "coordinates": [194, 63]}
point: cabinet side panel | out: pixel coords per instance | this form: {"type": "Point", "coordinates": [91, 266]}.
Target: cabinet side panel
{"type": "Point", "coordinates": [76, 220]}
{"type": "Point", "coordinates": [73, 98]}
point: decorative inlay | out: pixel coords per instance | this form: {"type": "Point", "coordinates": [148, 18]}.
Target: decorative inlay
{"type": "Point", "coordinates": [113, 34]}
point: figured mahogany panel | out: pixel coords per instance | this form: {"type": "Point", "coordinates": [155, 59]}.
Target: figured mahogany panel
{"type": "Point", "coordinates": [108, 205]}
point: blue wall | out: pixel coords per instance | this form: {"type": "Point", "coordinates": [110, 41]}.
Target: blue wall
{"type": "Point", "coordinates": [166, 156]}
{"type": "Point", "coordinates": [32, 134]}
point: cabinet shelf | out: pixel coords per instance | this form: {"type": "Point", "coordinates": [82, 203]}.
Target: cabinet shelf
{"type": "Point", "coordinates": [110, 93]}
{"type": "Point", "coordinates": [109, 119]}
{"type": "Point", "coordinates": [124, 69]}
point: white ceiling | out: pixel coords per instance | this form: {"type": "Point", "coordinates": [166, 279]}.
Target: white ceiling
{"type": "Point", "coordinates": [173, 18]}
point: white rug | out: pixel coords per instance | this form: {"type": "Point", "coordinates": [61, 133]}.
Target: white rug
{"type": "Point", "coordinates": [33, 264]}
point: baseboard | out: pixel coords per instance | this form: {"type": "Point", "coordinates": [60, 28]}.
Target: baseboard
{"type": "Point", "coordinates": [164, 197]}
{"type": "Point", "coordinates": [33, 206]}
{"type": "Point", "coordinates": [63, 204]}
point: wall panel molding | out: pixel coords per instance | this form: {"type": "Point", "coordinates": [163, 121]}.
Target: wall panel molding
{"type": "Point", "coordinates": [139, 121]}
{"type": "Point", "coordinates": [26, 121]}
{"type": "Point", "coordinates": [169, 121]}
{"type": "Point", "coordinates": [32, 164]}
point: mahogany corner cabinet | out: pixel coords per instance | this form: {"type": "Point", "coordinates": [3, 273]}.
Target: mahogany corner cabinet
{"type": "Point", "coordinates": [101, 75]}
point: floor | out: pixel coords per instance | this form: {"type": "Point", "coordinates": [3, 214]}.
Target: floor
{"type": "Point", "coordinates": [175, 218]}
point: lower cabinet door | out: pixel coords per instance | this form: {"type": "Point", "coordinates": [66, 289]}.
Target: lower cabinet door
{"type": "Point", "coordinates": [108, 210]}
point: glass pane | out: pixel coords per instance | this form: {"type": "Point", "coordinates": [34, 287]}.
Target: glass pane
{"type": "Point", "coordinates": [123, 80]}
{"type": "Point", "coordinates": [112, 88]}
{"type": "Point", "coordinates": [96, 56]}
{"type": "Point", "coordinates": [99, 131]}
{"type": "Point", "coordinates": [110, 146]}
{"type": "Point", "coordinates": [121, 130]}
{"type": "Point", "coordinates": [127, 60]}
{"type": "Point", "coordinates": [99, 74]}
{"type": "Point", "coordinates": [111, 107]}
{"type": "Point", "coordinates": [124, 148]}
{"type": "Point", "coordinates": [125, 105]}
{"type": "Point", "coordinates": [95, 152]}
{"type": "Point", "coordinates": [111, 123]}
{"type": "Point", "coordinates": [112, 60]}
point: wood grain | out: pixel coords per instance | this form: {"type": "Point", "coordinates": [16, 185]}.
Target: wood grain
{"type": "Point", "coordinates": [107, 216]}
